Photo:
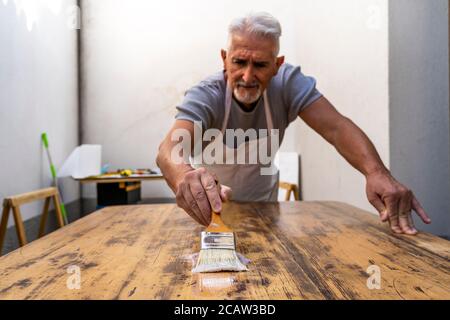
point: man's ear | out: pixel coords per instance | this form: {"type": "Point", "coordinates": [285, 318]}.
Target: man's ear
{"type": "Point", "coordinates": [280, 61]}
{"type": "Point", "coordinates": [223, 54]}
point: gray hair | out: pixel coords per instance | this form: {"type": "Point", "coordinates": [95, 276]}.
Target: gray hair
{"type": "Point", "coordinates": [261, 24]}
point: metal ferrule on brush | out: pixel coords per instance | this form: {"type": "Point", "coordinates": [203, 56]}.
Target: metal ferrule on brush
{"type": "Point", "coordinates": [218, 240]}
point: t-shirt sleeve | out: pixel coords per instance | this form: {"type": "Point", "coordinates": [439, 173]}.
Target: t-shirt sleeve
{"type": "Point", "coordinates": [299, 91]}
{"type": "Point", "coordinates": [200, 103]}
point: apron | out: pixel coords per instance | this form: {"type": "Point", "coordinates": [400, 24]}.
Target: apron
{"type": "Point", "coordinates": [245, 180]}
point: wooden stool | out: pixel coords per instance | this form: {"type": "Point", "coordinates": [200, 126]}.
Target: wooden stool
{"type": "Point", "coordinates": [290, 188]}
{"type": "Point", "coordinates": [15, 202]}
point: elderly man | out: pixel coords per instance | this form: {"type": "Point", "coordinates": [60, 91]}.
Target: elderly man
{"type": "Point", "coordinates": [257, 90]}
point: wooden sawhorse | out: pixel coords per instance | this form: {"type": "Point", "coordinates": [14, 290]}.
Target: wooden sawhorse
{"type": "Point", "coordinates": [15, 202]}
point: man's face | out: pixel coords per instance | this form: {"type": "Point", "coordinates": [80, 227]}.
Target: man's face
{"type": "Point", "coordinates": [250, 65]}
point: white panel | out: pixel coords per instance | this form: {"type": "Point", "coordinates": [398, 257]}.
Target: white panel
{"type": "Point", "coordinates": [289, 166]}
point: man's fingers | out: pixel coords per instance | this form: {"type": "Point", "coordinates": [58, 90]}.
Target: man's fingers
{"type": "Point", "coordinates": [394, 224]}
{"type": "Point", "coordinates": [193, 215]}
{"type": "Point", "coordinates": [193, 206]}
{"type": "Point", "coordinates": [199, 194]}
{"type": "Point", "coordinates": [404, 204]}
{"type": "Point", "coordinates": [406, 223]}
{"type": "Point", "coordinates": [182, 203]}
{"type": "Point", "coordinates": [225, 193]}
{"type": "Point", "coordinates": [404, 212]}
{"type": "Point", "coordinates": [396, 203]}
{"type": "Point", "coordinates": [376, 201]}
{"type": "Point", "coordinates": [420, 211]}
{"type": "Point", "coordinates": [392, 210]}
{"type": "Point", "coordinates": [212, 192]}
{"type": "Point", "coordinates": [411, 222]}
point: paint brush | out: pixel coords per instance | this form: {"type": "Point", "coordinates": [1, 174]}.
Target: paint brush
{"type": "Point", "coordinates": [218, 248]}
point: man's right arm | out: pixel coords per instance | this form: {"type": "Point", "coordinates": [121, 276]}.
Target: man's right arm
{"type": "Point", "coordinates": [174, 169]}
{"type": "Point", "coordinates": [196, 189]}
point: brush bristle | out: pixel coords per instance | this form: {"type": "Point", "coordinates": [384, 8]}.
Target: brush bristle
{"type": "Point", "coordinates": [214, 260]}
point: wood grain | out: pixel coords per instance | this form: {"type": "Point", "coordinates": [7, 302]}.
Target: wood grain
{"type": "Point", "coordinates": [298, 250]}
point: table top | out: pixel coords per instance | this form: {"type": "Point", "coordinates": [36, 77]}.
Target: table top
{"type": "Point", "coordinates": [117, 178]}
{"type": "Point", "coordinates": [298, 250]}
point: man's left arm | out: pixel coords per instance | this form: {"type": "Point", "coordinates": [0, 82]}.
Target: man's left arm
{"type": "Point", "coordinates": [393, 201]}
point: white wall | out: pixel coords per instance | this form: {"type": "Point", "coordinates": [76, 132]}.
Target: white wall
{"type": "Point", "coordinates": [138, 59]}
{"type": "Point", "coordinates": [419, 104]}
{"type": "Point", "coordinates": [344, 44]}
{"type": "Point", "coordinates": [140, 56]}
{"type": "Point", "coordinates": [38, 92]}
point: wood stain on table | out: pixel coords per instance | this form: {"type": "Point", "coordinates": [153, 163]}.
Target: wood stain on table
{"type": "Point", "coordinates": [298, 250]}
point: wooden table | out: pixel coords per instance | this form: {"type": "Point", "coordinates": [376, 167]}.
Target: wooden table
{"type": "Point", "coordinates": [298, 250]}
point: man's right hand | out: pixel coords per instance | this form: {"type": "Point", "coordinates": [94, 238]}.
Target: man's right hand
{"type": "Point", "coordinates": [198, 193]}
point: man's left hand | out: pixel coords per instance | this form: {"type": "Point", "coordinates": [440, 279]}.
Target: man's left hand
{"type": "Point", "coordinates": [394, 202]}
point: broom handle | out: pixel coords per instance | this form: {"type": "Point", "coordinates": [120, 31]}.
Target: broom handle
{"type": "Point", "coordinates": [54, 177]}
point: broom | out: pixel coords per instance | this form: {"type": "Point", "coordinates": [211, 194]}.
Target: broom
{"type": "Point", "coordinates": [54, 177]}
{"type": "Point", "coordinates": [218, 249]}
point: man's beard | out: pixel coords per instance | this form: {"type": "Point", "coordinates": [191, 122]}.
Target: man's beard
{"type": "Point", "coordinates": [245, 96]}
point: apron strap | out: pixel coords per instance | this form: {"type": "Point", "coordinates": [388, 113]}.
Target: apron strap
{"type": "Point", "coordinates": [228, 97]}
{"type": "Point", "coordinates": [268, 113]}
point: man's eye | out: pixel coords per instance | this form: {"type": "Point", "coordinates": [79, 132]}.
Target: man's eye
{"type": "Point", "coordinates": [260, 65]}
{"type": "Point", "coordinates": [239, 62]}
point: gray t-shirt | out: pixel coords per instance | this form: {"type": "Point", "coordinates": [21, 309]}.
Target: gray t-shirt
{"type": "Point", "coordinates": [289, 92]}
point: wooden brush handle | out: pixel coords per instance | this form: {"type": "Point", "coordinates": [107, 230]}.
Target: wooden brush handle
{"type": "Point", "coordinates": [217, 225]}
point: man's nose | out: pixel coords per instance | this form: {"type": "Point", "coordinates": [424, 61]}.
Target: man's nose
{"type": "Point", "coordinates": [248, 76]}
